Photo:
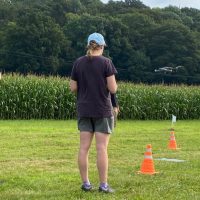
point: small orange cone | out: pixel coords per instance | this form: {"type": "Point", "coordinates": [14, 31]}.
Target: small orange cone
{"type": "Point", "coordinates": [147, 166]}
{"type": "Point", "coordinates": [172, 142]}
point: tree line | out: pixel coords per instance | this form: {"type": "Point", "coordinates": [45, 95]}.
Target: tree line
{"type": "Point", "coordinates": [46, 36]}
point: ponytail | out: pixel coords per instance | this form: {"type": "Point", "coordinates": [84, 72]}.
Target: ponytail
{"type": "Point", "coordinates": [92, 46]}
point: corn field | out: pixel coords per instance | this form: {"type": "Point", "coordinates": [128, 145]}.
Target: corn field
{"type": "Point", "coordinates": [33, 97]}
{"type": "Point", "coordinates": [159, 101]}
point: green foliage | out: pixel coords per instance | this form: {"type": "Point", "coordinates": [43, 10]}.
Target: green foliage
{"type": "Point", "coordinates": [45, 37]}
{"type": "Point", "coordinates": [158, 101]}
{"type": "Point", "coordinates": [172, 44]}
{"type": "Point", "coordinates": [42, 44]}
{"type": "Point", "coordinates": [36, 98]}
{"type": "Point", "coordinates": [33, 97]}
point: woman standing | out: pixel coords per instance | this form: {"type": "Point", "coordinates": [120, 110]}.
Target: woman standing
{"type": "Point", "coordinates": [93, 78]}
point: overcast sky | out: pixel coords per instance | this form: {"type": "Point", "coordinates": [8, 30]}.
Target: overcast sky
{"type": "Point", "coordinates": [164, 3]}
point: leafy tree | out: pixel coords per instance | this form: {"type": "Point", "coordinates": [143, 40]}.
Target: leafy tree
{"type": "Point", "coordinates": [194, 15]}
{"type": "Point", "coordinates": [46, 36]}
{"type": "Point", "coordinates": [172, 44]}
{"type": "Point", "coordinates": [134, 3]}
{"type": "Point", "coordinates": [33, 44]}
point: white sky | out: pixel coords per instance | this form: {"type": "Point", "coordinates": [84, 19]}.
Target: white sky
{"type": "Point", "coordinates": [164, 3]}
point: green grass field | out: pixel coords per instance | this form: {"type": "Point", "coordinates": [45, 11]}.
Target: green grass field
{"type": "Point", "coordinates": [38, 160]}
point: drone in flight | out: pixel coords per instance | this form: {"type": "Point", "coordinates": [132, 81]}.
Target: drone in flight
{"type": "Point", "coordinates": [168, 69]}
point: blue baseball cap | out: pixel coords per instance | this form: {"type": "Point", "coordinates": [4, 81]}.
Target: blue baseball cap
{"type": "Point", "coordinates": [98, 38]}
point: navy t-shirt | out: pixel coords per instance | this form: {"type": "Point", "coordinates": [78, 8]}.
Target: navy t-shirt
{"type": "Point", "coordinates": [93, 97]}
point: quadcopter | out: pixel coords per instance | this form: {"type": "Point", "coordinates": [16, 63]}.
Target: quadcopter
{"type": "Point", "coordinates": [168, 69]}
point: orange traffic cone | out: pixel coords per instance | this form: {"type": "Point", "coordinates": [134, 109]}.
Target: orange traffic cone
{"type": "Point", "coordinates": [147, 166]}
{"type": "Point", "coordinates": [172, 142]}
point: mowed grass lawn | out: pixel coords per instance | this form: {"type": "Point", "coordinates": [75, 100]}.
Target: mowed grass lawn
{"type": "Point", "coordinates": [38, 160]}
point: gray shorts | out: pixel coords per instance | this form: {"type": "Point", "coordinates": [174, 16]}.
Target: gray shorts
{"type": "Point", "coordinates": [102, 125]}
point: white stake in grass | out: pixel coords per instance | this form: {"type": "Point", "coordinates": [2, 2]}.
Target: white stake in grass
{"type": "Point", "coordinates": [173, 120]}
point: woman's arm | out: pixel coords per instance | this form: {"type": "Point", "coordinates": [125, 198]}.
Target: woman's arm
{"type": "Point", "coordinates": [73, 85]}
{"type": "Point", "coordinates": [111, 84]}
